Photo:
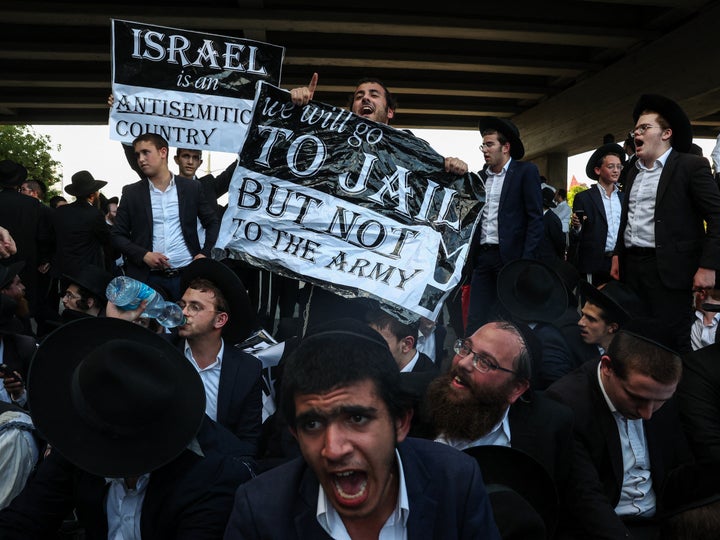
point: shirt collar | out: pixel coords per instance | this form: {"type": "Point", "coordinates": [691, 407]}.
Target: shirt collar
{"type": "Point", "coordinates": [612, 407]}
{"type": "Point", "coordinates": [329, 519]}
{"type": "Point", "coordinates": [659, 162]}
{"type": "Point", "coordinates": [502, 171]}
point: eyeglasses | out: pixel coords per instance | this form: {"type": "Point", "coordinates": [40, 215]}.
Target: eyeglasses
{"type": "Point", "coordinates": [71, 295]}
{"type": "Point", "coordinates": [614, 167]}
{"type": "Point", "coordinates": [193, 308]}
{"type": "Point", "coordinates": [641, 129]}
{"type": "Point", "coordinates": [479, 362]}
{"type": "Point", "coordinates": [489, 145]}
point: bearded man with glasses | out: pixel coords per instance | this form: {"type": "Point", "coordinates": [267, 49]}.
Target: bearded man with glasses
{"type": "Point", "coordinates": [669, 238]}
{"type": "Point", "coordinates": [485, 399]}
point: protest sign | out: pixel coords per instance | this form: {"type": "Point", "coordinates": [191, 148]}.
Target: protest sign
{"type": "Point", "coordinates": [194, 89]}
{"type": "Point", "coordinates": [360, 208]}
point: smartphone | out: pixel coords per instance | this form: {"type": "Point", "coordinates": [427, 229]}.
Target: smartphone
{"type": "Point", "coordinates": [580, 214]}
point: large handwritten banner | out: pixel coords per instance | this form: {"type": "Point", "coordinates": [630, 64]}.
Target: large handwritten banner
{"type": "Point", "coordinates": [196, 90]}
{"type": "Point", "coordinates": [354, 206]}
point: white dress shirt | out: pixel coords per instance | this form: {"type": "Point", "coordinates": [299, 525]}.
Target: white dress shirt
{"type": "Point", "coordinates": [499, 435]}
{"type": "Point", "coordinates": [640, 229]}
{"type": "Point", "coordinates": [167, 231]}
{"type": "Point", "coordinates": [124, 507]}
{"type": "Point", "coordinates": [613, 209]}
{"type": "Point", "coordinates": [701, 334]}
{"type": "Point", "coordinates": [210, 378]}
{"type": "Point", "coordinates": [493, 190]}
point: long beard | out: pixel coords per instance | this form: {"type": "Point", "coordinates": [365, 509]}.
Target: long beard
{"type": "Point", "coordinates": [466, 419]}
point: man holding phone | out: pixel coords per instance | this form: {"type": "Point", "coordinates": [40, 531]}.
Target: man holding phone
{"type": "Point", "coordinates": [596, 214]}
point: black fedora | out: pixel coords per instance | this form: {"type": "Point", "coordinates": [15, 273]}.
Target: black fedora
{"type": "Point", "coordinates": [114, 398]}
{"type": "Point", "coordinates": [600, 153]}
{"type": "Point", "coordinates": [8, 273]}
{"type": "Point", "coordinates": [12, 174]}
{"type": "Point", "coordinates": [672, 112]}
{"type": "Point", "coordinates": [619, 302]}
{"type": "Point", "coordinates": [91, 277]}
{"type": "Point", "coordinates": [531, 291]}
{"type": "Point", "coordinates": [505, 468]}
{"type": "Point", "coordinates": [241, 320]}
{"type": "Point", "coordinates": [548, 196]}
{"type": "Point", "coordinates": [508, 129]}
{"type": "Point", "coordinates": [83, 184]}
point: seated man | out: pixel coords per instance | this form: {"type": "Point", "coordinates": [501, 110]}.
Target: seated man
{"type": "Point", "coordinates": [484, 400]}
{"type": "Point", "coordinates": [628, 434]}
{"type": "Point", "coordinates": [132, 450]}
{"type": "Point", "coordinates": [85, 293]}
{"type": "Point", "coordinates": [606, 310]}
{"type": "Point", "coordinates": [358, 474]}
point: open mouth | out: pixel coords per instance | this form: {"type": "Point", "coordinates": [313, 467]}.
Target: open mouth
{"type": "Point", "coordinates": [366, 110]}
{"type": "Point", "coordinates": [350, 487]}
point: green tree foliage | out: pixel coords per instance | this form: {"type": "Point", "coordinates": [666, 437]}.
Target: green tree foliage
{"type": "Point", "coordinates": [21, 144]}
{"type": "Point", "coordinates": [574, 191]}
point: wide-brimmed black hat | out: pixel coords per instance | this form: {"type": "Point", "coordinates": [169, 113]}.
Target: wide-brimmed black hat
{"type": "Point", "coordinates": [12, 174]}
{"type": "Point", "coordinates": [672, 112]}
{"type": "Point", "coordinates": [114, 398]}
{"type": "Point", "coordinates": [241, 319]}
{"type": "Point", "coordinates": [508, 129]}
{"type": "Point", "coordinates": [597, 155]}
{"type": "Point", "coordinates": [618, 301]}
{"type": "Point", "coordinates": [91, 277]}
{"type": "Point", "coordinates": [504, 468]}
{"type": "Point", "coordinates": [8, 273]}
{"type": "Point", "coordinates": [548, 196]}
{"type": "Point", "coordinates": [83, 184]}
{"type": "Point", "coordinates": [531, 291]}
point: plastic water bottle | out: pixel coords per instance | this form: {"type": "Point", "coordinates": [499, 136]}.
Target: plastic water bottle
{"type": "Point", "coordinates": [127, 293]}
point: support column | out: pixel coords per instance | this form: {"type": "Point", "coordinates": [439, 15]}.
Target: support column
{"type": "Point", "coordinates": [553, 166]}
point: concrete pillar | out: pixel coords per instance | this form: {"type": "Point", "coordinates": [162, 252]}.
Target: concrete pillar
{"type": "Point", "coordinates": [553, 166]}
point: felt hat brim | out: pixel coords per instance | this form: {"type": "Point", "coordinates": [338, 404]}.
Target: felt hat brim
{"type": "Point", "coordinates": [145, 447]}
{"type": "Point", "coordinates": [597, 155]}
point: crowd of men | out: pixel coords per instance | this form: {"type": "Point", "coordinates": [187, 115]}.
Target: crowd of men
{"type": "Point", "coordinates": [547, 411]}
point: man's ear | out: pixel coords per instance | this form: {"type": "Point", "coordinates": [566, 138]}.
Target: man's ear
{"type": "Point", "coordinates": [521, 386]}
{"type": "Point", "coordinates": [390, 114]}
{"type": "Point", "coordinates": [402, 425]}
{"type": "Point", "coordinates": [177, 161]}
{"type": "Point", "coordinates": [613, 327]}
{"type": "Point", "coordinates": [666, 134]}
{"type": "Point", "coordinates": [606, 364]}
{"type": "Point", "coordinates": [408, 344]}
{"type": "Point", "coordinates": [221, 319]}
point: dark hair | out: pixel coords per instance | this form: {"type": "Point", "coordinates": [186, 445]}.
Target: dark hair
{"type": "Point", "coordinates": [55, 200]}
{"type": "Point", "coordinates": [205, 285]}
{"type": "Point", "coordinates": [389, 98]}
{"type": "Point", "coordinates": [631, 352]}
{"type": "Point", "coordinates": [36, 186]}
{"type": "Point", "coordinates": [502, 139]}
{"type": "Point", "coordinates": [381, 319]}
{"type": "Point", "coordinates": [522, 364]}
{"type": "Point", "coordinates": [337, 354]}
{"type": "Point", "coordinates": [156, 140]}
{"type": "Point", "coordinates": [562, 192]}
{"type": "Point", "coordinates": [86, 295]}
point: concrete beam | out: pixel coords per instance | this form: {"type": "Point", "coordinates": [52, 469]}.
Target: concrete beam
{"type": "Point", "coordinates": [678, 65]}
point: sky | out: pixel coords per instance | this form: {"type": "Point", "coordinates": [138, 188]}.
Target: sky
{"type": "Point", "coordinates": [90, 148]}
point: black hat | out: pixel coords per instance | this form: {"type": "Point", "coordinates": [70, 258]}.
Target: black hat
{"type": "Point", "coordinates": [548, 196]}
{"type": "Point", "coordinates": [91, 277]}
{"type": "Point", "coordinates": [672, 112]}
{"type": "Point", "coordinates": [8, 273]}
{"type": "Point", "coordinates": [12, 174]}
{"type": "Point", "coordinates": [114, 398]}
{"type": "Point", "coordinates": [616, 299]}
{"type": "Point", "coordinates": [83, 184]}
{"type": "Point", "coordinates": [531, 291]}
{"type": "Point", "coordinates": [241, 319]}
{"type": "Point", "coordinates": [512, 469]}
{"type": "Point", "coordinates": [600, 153]}
{"type": "Point", "coordinates": [508, 129]}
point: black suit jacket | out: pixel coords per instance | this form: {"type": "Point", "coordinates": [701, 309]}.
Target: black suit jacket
{"type": "Point", "coordinates": [445, 490]}
{"type": "Point", "coordinates": [239, 406]}
{"type": "Point", "coordinates": [190, 497]}
{"type": "Point", "coordinates": [687, 197]}
{"type": "Point", "coordinates": [82, 237]}
{"type": "Point", "coordinates": [552, 245]}
{"type": "Point", "coordinates": [592, 236]}
{"type": "Point", "coordinates": [698, 396]}
{"type": "Point", "coordinates": [520, 223]}
{"type": "Point", "coordinates": [597, 464]}
{"type": "Point", "coordinates": [133, 229]}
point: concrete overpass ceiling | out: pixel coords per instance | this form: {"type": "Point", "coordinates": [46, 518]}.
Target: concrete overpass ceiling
{"type": "Point", "coordinates": [448, 65]}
